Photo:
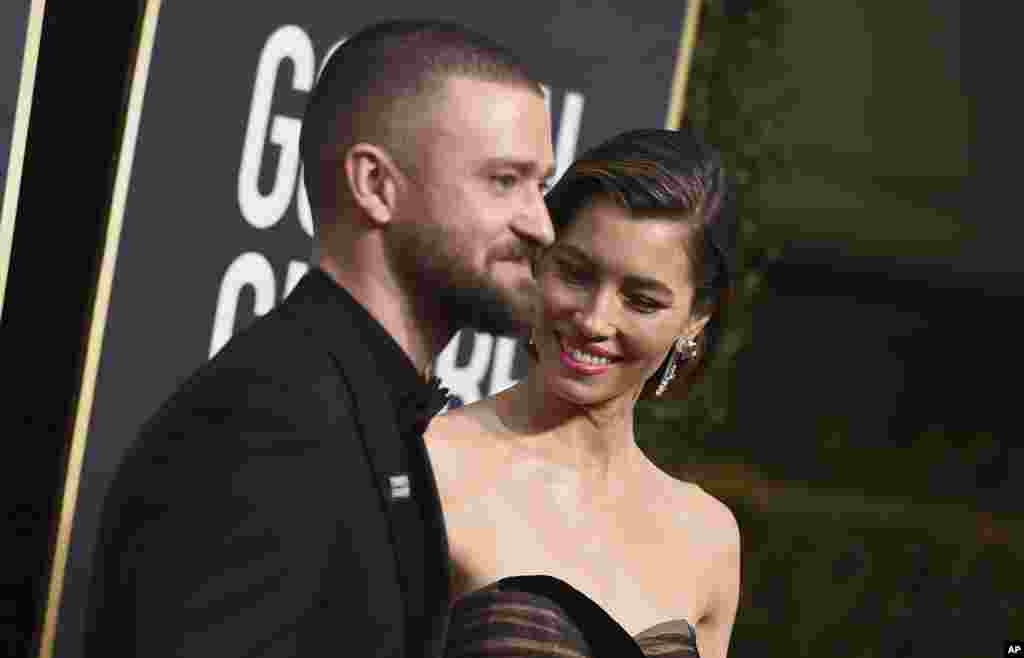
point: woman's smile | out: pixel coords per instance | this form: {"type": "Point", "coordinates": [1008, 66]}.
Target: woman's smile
{"type": "Point", "coordinates": [584, 359]}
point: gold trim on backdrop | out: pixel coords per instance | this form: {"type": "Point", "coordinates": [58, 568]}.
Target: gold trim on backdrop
{"type": "Point", "coordinates": [101, 304]}
{"type": "Point", "coordinates": [19, 134]}
{"type": "Point", "coordinates": [687, 42]}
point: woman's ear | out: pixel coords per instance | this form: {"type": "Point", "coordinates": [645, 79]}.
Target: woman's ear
{"type": "Point", "coordinates": [695, 326]}
{"type": "Point", "coordinates": [374, 181]}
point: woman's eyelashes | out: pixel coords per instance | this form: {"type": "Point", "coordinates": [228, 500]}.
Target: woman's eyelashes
{"type": "Point", "coordinates": [578, 276]}
{"type": "Point", "coordinates": [645, 304]}
{"type": "Point", "coordinates": [572, 274]}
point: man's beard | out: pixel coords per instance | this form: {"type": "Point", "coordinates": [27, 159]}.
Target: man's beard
{"type": "Point", "coordinates": [429, 266]}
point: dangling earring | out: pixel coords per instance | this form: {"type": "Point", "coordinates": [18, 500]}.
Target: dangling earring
{"type": "Point", "coordinates": [681, 351]}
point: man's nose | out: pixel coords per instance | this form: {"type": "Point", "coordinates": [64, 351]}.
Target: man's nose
{"type": "Point", "coordinates": [536, 225]}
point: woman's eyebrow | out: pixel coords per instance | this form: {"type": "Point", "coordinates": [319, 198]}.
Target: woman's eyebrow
{"type": "Point", "coordinates": [637, 281]}
{"type": "Point", "coordinates": [632, 280]}
{"type": "Point", "coordinates": [574, 251]}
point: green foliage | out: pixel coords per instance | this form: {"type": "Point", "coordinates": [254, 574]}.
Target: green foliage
{"type": "Point", "coordinates": [737, 99]}
{"type": "Point", "coordinates": [828, 568]}
{"type": "Point", "coordinates": [872, 581]}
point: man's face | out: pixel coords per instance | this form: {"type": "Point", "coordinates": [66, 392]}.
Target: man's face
{"type": "Point", "coordinates": [474, 212]}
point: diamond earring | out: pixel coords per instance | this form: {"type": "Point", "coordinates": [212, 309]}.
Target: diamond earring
{"type": "Point", "coordinates": [683, 350]}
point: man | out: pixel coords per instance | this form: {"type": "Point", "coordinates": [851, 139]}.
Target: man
{"type": "Point", "coordinates": [281, 502]}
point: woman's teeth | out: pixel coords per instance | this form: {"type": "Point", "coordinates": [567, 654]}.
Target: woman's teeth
{"type": "Point", "coordinates": [583, 357]}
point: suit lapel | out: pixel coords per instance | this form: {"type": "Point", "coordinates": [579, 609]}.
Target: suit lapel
{"type": "Point", "coordinates": [436, 565]}
{"type": "Point", "coordinates": [412, 538]}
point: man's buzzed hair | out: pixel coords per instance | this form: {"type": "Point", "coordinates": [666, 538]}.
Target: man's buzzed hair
{"type": "Point", "coordinates": [370, 83]}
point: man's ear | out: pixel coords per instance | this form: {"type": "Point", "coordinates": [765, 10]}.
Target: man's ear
{"type": "Point", "coordinates": [374, 181]}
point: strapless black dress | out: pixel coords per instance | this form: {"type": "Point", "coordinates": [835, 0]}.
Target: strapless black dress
{"type": "Point", "coordinates": [543, 617]}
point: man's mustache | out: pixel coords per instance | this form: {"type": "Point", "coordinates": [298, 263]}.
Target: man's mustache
{"type": "Point", "coordinates": [517, 252]}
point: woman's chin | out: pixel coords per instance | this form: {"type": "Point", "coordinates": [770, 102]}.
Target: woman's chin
{"type": "Point", "coordinates": [575, 392]}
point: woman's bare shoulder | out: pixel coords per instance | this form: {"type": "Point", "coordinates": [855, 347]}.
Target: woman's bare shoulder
{"type": "Point", "coordinates": [694, 506]}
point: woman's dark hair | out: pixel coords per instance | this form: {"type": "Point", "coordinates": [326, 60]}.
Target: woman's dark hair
{"type": "Point", "coordinates": [675, 175]}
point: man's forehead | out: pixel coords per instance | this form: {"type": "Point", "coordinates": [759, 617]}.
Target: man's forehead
{"type": "Point", "coordinates": [502, 124]}
{"type": "Point", "coordinates": [472, 85]}
{"type": "Point", "coordinates": [460, 98]}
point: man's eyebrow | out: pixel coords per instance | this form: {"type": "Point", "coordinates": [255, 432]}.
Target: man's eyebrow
{"type": "Point", "coordinates": [523, 166]}
{"type": "Point", "coordinates": [632, 280]}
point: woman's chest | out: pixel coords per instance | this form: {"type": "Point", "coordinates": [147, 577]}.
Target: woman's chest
{"type": "Point", "coordinates": [628, 560]}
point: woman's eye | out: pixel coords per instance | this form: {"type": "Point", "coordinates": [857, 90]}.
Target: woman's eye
{"type": "Point", "coordinates": [645, 304]}
{"type": "Point", "coordinates": [571, 273]}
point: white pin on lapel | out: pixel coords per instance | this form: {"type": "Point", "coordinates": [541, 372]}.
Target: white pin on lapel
{"type": "Point", "coordinates": [400, 487]}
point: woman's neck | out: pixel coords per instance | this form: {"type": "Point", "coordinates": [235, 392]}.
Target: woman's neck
{"type": "Point", "coordinates": [596, 443]}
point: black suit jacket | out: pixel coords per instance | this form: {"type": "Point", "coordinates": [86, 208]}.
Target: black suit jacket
{"type": "Point", "coordinates": [254, 515]}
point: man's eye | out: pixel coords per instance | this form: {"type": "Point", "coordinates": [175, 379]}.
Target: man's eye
{"type": "Point", "coordinates": [505, 181]}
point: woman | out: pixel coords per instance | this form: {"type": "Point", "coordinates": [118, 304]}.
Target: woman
{"type": "Point", "coordinates": [546, 477]}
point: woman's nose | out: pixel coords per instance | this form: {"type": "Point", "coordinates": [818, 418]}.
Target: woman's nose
{"type": "Point", "coordinates": [593, 320]}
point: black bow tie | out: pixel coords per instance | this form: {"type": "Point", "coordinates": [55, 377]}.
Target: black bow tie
{"type": "Point", "coordinates": [417, 408]}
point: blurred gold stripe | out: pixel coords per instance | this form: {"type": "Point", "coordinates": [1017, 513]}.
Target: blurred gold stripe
{"type": "Point", "coordinates": [687, 42]}
{"type": "Point", "coordinates": [83, 411]}
{"type": "Point", "coordinates": [19, 134]}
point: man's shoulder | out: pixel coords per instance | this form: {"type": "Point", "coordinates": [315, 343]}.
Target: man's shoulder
{"type": "Point", "coordinates": [270, 367]}
{"type": "Point", "coordinates": [286, 332]}
{"type": "Point", "coordinates": [296, 340]}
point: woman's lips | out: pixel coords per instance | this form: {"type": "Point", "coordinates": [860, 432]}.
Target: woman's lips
{"type": "Point", "coordinates": [565, 356]}
{"type": "Point", "coordinates": [582, 368]}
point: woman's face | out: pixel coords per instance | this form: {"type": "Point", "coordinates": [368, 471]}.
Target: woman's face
{"type": "Point", "coordinates": [618, 288]}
